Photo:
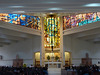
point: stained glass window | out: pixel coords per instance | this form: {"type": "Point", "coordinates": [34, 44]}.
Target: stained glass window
{"type": "Point", "coordinates": [23, 20]}
{"type": "Point", "coordinates": [80, 19]}
{"type": "Point", "coordinates": [51, 32]}
{"type": "Point", "coordinates": [33, 22]}
{"type": "Point", "coordinates": [3, 17]}
{"type": "Point", "coordinates": [12, 18]}
{"type": "Point", "coordinates": [98, 16]}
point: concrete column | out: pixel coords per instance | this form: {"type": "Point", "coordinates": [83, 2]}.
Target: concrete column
{"type": "Point", "coordinates": [42, 52]}
{"type": "Point", "coordinates": [61, 43]}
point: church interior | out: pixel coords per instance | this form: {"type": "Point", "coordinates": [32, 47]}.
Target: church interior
{"type": "Point", "coordinates": [49, 37]}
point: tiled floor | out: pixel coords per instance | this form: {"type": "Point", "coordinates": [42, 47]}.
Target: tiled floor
{"type": "Point", "coordinates": [54, 71]}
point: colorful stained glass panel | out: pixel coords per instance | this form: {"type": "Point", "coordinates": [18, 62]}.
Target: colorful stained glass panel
{"type": "Point", "coordinates": [23, 20]}
{"type": "Point", "coordinates": [3, 17]}
{"type": "Point", "coordinates": [12, 18]}
{"type": "Point", "coordinates": [52, 32]}
{"type": "Point", "coordinates": [80, 19]}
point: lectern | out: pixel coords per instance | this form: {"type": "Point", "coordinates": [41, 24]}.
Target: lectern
{"type": "Point", "coordinates": [87, 60]}
{"type": "Point", "coordinates": [17, 62]}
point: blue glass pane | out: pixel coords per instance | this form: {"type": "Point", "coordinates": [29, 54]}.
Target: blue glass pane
{"type": "Point", "coordinates": [23, 20]}
{"type": "Point", "coordinates": [12, 18]}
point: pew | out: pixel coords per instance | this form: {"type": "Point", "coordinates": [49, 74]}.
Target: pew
{"type": "Point", "coordinates": [23, 71]}
{"type": "Point", "coordinates": [96, 73]}
{"type": "Point", "coordinates": [65, 72]}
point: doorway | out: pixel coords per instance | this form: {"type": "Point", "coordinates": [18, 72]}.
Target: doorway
{"type": "Point", "coordinates": [37, 58]}
{"type": "Point", "coordinates": [67, 58]}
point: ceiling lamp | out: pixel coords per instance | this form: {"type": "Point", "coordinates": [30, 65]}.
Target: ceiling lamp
{"type": "Point", "coordinates": [92, 5]}
{"type": "Point", "coordinates": [16, 6]}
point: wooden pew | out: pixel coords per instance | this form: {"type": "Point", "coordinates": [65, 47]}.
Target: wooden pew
{"type": "Point", "coordinates": [96, 73]}
{"type": "Point", "coordinates": [65, 72]}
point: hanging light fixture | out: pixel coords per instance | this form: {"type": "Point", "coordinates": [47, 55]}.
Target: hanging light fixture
{"type": "Point", "coordinates": [52, 57]}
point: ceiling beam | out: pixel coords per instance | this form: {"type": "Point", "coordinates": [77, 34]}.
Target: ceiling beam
{"type": "Point", "coordinates": [15, 33]}
{"type": "Point", "coordinates": [9, 37]}
{"type": "Point", "coordinates": [19, 28]}
{"type": "Point", "coordinates": [96, 42]}
{"type": "Point", "coordinates": [5, 43]}
{"type": "Point", "coordinates": [90, 37]}
{"type": "Point", "coordinates": [87, 33]}
{"type": "Point", "coordinates": [1, 45]}
{"type": "Point", "coordinates": [8, 40]}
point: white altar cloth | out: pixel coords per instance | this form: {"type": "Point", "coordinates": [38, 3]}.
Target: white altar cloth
{"type": "Point", "coordinates": [52, 64]}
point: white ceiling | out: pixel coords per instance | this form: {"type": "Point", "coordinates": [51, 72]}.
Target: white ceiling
{"type": "Point", "coordinates": [46, 6]}
{"type": "Point", "coordinates": [11, 33]}
{"type": "Point", "coordinates": [32, 6]}
{"type": "Point", "coordinates": [89, 32]}
{"type": "Point", "coordinates": [10, 36]}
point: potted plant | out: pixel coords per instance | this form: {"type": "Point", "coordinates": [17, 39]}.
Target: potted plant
{"type": "Point", "coordinates": [48, 57]}
{"type": "Point", "coordinates": [24, 65]}
{"type": "Point", "coordinates": [56, 58]}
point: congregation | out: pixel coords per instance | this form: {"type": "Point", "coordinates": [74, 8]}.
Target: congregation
{"type": "Point", "coordinates": [23, 70]}
{"type": "Point", "coordinates": [82, 70]}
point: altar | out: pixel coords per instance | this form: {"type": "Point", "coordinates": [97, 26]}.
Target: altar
{"type": "Point", "coordinates": [53, 64]}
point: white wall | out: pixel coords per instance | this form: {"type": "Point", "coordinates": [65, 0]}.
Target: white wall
{"type": "Point", "coordinates": [96, 53]}
{"type": "Point", "coordinates": [78, 49]}
{"type": "Point", "coordinates": [25, 49]}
